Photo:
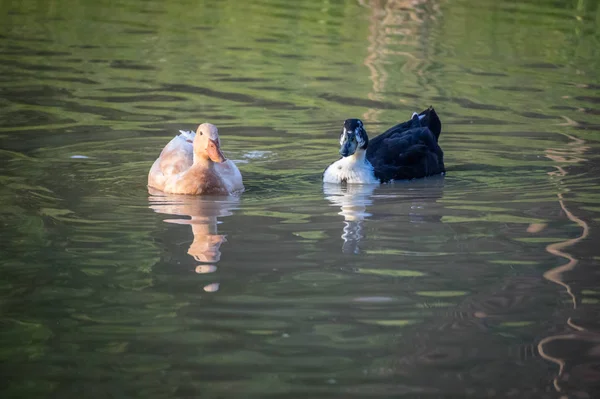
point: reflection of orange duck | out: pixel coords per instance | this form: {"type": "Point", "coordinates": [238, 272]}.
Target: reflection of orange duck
{"type": "Point", "coordinates": [204, 213]}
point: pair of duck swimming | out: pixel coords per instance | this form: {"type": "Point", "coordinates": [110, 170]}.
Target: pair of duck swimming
{"type": "Point", "coordinates": [193, 163]}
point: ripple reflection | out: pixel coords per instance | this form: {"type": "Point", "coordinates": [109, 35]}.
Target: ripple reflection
{"type": "Point", "coordinates": [353, 200]}
{"type": "Point", "coordinates": [204, 216]}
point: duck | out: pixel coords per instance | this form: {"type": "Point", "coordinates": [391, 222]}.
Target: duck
{"type": "Point", "coordinates": [193, 164]}
{"type": "Point", "coordinates": [407, 151]}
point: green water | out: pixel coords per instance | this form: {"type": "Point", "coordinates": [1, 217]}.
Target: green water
{"type": "Point", "coordinates": [484, 283]}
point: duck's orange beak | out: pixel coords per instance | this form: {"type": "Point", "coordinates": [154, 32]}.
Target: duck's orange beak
{"type": "Point", "coordinates": [214, 152]}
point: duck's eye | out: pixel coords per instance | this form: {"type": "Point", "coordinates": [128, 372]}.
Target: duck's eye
{"type": "Point", "coordinates": [200, 132]}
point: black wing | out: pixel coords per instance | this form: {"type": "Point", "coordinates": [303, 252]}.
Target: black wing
{"type": "Point", "coordinates": [408, 150]}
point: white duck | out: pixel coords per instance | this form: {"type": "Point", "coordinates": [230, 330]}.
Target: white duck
{"type": "Point", "coordinates": [192, 163]}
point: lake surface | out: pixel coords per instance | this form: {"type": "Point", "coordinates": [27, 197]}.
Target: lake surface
{"type": "Point", "coordinates": [482, 283]}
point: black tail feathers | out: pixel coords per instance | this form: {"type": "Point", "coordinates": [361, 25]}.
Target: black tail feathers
{"type": "Point", "coordinates": [432, 121]}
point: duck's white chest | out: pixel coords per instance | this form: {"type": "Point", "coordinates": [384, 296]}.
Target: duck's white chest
{"type": "Point", "coordinates": [350, 170]}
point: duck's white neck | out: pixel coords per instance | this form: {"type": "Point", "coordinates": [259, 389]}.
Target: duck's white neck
{"type": "Point", "coordinates": [352, 169]}
{"type": "Point", "coordinates": [359, 155]}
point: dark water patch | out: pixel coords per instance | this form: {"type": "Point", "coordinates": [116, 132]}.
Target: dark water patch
{"type": "Point", "coordinates": [16, 47]}
{"type": "Point", "coordinates": [590, 99]}
{"type": "Point", "coordinates": [138, 98]}
{"type": "Point", "coordinates": [358, 102]}
{"type": "Point", "coordinates": [33, 95]}
{"type": "Point", "coordinates": [398, 94]}
{"type": "Point", "coordinates": [290, 56]}
{"type": "Point", "coordinates": [236, 97]}
{"type": "Point", "coordinates": [242, 80]}
{"type": "Point", "coordinates": [542, 65]}
{"type": "Point", "coordinates": [524, 89]}
{"type": "Point", "coordinates": [97, 61]}
{"type": "Point", "coordinates": [139, 32]}
{"type": "Point", "coordinates": [171, 129]}
{"type": "Point", "coordinates": [74, 60]}
{"type": "Point", "coordinates": [591, 111]}
{"type": "Point", "coordinates": [483, 73]}
{"type": "Point", "coordinates": [137, 80]}
{"type": "Point", "coordinates": [64, 99]}
{"type": "Point", "coordinates": [31, 118]}
{"type": "Point", "coordinates": [587, 126]}
{"type": "Point", "coordinates": [328, 79]}
{"type": "Point", "coordinates": [152, 12]}
{"type": "Point", "coordinates": [76, 80]}
{"type": "Point", "coordinates": [158, 108]}
{"type": "Point", "coordinates": [282, 37]}
{"type": "Point", "coordinates": [24, 51]}
{"type": "Point", "coordinates": [563, 108]}
{"type": "Point", "coordinates": [182, 88]}
{"type": "Point", "coordinates": [14, 76]}
{"type": "Point", "coordinates": [253, 131]}
{"type": "Point", "coordinates": [128, 90]}
{"type": "Point", "coordinates": [201, 114]}
{"type": "Point", "coordinates": [129, 23]}
{"type": "Point", "coordinates": [39, 67]}
{"type": "Point", "coordinates": [48, 53]}
{"type": "Point", "coordinates": [27, 39]}
{"type": "Point", "coordinates": [590, 86]}
{"type": "Point", "coordinates": [124, 64]}
{"type": "Point", "coordinates": [31, 140]}
{"type": "Point", "coordinates": [269, 104]}
{"type": "Point", "coordinates": [266, 40]}
{"type": "Point", "coordinates": [203, 28]}
{"type": "Point", "coordinates": [271, 88]}
{"type": "Point", "coordinates": [466, 103]}
{"type": "Point", "coordinates": [84, 46]}
{"type": "Point", "coordinates": [537, 115]}
{"type": "Point", "coordinates": [237, 48]}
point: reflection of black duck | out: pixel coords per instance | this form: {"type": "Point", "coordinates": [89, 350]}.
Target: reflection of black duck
{"type": "Point", "coordinates": [411, 200]}
{"type": "Point", "coordinates": [353, 201]}
{"type": "Point", "coordinates": [408, 150]}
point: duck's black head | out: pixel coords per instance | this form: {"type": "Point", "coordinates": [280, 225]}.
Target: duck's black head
{"type": "Point", "coordinates": [353, 137]}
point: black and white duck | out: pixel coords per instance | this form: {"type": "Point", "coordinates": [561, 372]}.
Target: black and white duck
{"type": "Point", "coordinates": [406, 151]}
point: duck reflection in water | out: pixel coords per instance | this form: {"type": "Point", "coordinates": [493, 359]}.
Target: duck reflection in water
{"type": "Point", "coordinates": [204, 213]}
{"type": "Point", "coordinates": [414, 201]}
{"type": "Point", "coordinates": [353, 200]}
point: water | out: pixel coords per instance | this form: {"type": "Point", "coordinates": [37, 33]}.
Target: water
{"type": "Point", "coordinates": [484, 283]}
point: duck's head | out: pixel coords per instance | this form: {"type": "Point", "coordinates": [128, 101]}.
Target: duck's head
{"type": "Point", "coordinates": [207, 144]}
{"type": "Point", "coordinates": [353, 137]}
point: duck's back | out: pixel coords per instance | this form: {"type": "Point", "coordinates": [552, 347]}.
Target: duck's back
{"type": "Point", "coordinates": [408, 150]}
{"type": "Point", "coordinates": [175, 158]}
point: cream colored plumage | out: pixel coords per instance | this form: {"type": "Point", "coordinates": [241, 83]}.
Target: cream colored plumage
{"type": "Point", "coordinates": [192, 163]}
